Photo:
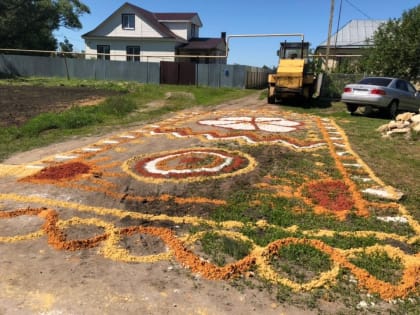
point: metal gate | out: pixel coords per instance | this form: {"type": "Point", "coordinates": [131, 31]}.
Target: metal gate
{"type": "Point", "coordinates": [183, 73]}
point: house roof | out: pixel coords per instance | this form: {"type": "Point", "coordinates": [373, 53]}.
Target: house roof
{"type": "Point", "coordinates": [203, 43]}
{"type": "Point", "coordinates": [154, 20]}
{"type": "Point", "coordinates": [356, 33]}
{"type": "Point", "coordinates": [187, 17]}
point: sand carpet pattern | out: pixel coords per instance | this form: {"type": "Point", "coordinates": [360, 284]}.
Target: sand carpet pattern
{"type": "Point", "coordinates": [162, 179]}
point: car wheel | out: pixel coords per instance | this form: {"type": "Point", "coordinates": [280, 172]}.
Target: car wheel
{"type": "Point", "coordinates": [393, 109]}
{"type": "Point", "coordinates": [352, 108]}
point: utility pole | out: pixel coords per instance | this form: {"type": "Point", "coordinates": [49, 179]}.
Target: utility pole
{"type": "Point", "coordinates": [327, 54]}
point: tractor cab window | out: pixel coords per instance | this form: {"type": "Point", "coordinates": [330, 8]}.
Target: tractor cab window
{"type": "Point", "coordinates": [294, 50]}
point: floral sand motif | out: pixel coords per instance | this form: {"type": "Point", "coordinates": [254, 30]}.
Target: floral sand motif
{"type": "Point", "coordinates": [298, 167]}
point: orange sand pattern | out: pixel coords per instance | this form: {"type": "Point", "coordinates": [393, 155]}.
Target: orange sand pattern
{"type": "Point", "coordinates": [91, 170]}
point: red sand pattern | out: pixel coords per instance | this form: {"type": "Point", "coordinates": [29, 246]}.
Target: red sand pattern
{"type": "Point", "coordinates": [332, 194]}
{"type": "Point", "coordinates": [237, 163]}
{"type": "Point", "coordinates": [63, 171]}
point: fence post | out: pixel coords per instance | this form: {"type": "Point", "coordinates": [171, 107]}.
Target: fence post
{"type": "Point", "coordinates": [67, 67]}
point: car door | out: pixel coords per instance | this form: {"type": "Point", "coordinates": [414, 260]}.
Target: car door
{"type": "Point", "coordinates": [406, 99]}
{"type": "Point", "coordinates": [415, 99]}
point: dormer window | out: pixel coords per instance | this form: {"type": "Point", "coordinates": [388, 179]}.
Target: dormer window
{"type": "Point", "coordinates": [193, 30]}
{"type": "Point", "coordinates": [128, 22]}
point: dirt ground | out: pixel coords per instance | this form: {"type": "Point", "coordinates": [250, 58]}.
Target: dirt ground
{"type": "Point", "coordinates": [20, 103]}
{"type": "Point", "coordinates": [90, 226]}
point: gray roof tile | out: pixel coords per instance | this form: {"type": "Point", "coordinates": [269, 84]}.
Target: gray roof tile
{"type": "Point", "coordinates": [355, 33]}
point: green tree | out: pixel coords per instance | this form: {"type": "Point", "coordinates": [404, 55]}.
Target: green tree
{"type": "Point", "coordinates": [29, 24]}
{"type": "Point", "coordinates": [66, 46]}
{"type": "Point", "coordinates": [396, 48]}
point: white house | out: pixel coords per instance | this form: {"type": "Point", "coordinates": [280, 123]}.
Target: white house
{"type": "Point", "coordinates": [135, 34]}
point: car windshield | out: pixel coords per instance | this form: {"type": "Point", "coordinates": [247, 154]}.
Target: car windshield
{"type": "Point", "coordinates": [376, 81]}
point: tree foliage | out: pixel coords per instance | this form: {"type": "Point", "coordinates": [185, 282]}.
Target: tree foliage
{"type": "Point", "coordinates": [396, 48]}
{"type": "Point", "coordinates": [66, 46]}
{"type": "Point", "coordinates": [29, 24]}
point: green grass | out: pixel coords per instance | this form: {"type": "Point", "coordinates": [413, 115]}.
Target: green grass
{"type": "Point", "coordinates": [300, 262]}
{"type": "Point", "coordinates": [262, 237]}
{"type": "Point", "coordinates": [128, 108]}
{"type": "Point", "coordinates": [380, 265]}
{"type": "Point", "coordinates": [221, 248]}
{"type": "Point", "coordinates": [56, 81]}
{"type": "Point", "coordinates": [347, 242]}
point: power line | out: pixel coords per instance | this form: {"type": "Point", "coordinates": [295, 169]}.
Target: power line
{"type": "Point", "coordinates": [359, 10]}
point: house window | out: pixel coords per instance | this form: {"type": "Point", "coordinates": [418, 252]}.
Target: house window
{"type": "Point", "coordinates": [103, 52]}
{"type": "Point", "coordinates": [193, 29]}
{"type": "Point", "coordinates": [128, 22]}
{"type": "Point", "coordinates": [133, 53]}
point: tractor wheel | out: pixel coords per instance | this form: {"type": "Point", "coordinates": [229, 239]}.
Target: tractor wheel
{"type": "Point", "coordinates": [271, 97]}
{"type": "Point", "coordinates": [308, 92]}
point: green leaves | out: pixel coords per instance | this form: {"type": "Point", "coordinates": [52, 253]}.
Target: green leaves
{"type": "Point", "coordinates": [69, 12]}
{"type": "Point", "coordinates": [396, 48]}
{"type": "Point", "coordinates": [30, 24]}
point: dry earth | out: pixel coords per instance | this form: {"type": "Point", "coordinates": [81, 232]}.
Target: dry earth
{"type": "Point", "coordinates": [20, 103]}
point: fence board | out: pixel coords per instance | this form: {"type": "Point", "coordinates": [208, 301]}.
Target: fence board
{"type": "Point", "coordinates": [213, 75]}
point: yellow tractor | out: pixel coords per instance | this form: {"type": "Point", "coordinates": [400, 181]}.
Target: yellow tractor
{"type": "Point", "coordinates": [294, 77]}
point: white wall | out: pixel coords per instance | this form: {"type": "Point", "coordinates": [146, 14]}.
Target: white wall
{"type": "Point", "coordinates": [147, 48]}
{"type": "Point", "coordinates": [179, 29]}
{"type": "Point", "coordinates": [113, 27]}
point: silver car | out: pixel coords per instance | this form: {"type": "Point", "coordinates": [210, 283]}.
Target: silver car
{"type": "Point", "coordinates": [389, 94]}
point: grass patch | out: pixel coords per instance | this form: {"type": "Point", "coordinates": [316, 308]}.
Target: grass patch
{"type": "Point", "coordinates": [380, 265]}
{"type": "Point", "coordinates": [222, 249]}
{"type": "Point", "coordinates": [58, 81]}
{"type": "Point", "coordinates": [347, 242]}
{"type": "Point", "coordinates": [263, 237]}
{"type": "Point", "coordinates": [300, 262]}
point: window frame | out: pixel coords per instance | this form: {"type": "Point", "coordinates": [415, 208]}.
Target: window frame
{"type": "Point", "coordinates": [193, 30]}
{"type": "Point", "coordinates": [411, 88]}
{"type": "Point", "coordinates": [132, 55]}
{"type": "Point", "coordinates": [402, 85]}
{"type": "Point", "coordinates": [103, 52]}
{"type": "Point", "coordinates": [125, 17]}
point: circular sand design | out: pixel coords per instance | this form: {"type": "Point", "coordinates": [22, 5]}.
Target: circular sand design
{"type": "Point", "coordinates": [189, 165]}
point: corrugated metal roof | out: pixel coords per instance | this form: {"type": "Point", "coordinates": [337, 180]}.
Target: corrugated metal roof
{"type": "Point", "coordinates": [355, 33]}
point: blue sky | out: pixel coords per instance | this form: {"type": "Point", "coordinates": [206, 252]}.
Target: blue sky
{"type": "Point", "coordinates": [309, 17]}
